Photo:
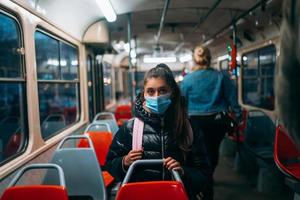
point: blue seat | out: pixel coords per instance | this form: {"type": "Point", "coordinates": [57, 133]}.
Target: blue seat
{"type": "Point", "coordinates": [107, 117]}
{"type": "Point", "coordinates": [259, 135]}
{"type": "Point", "coordinates": [82, 172]}
{"type": "Point", "coordinates": [98, 126]}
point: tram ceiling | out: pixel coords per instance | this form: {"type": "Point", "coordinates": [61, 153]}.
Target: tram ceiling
{"type": "Point", "coordinates": [185, 23]}
{"type": "Point", "coordinates": [188, 22]}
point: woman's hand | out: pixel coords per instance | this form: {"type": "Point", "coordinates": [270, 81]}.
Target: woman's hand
{"type": "Point", "coordinates": [171, 163]}
{"type": "Point", "coordinates": [132, 156]}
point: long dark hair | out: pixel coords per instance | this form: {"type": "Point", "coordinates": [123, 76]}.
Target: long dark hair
{"type": "Point", "coordinates": [178, 115]}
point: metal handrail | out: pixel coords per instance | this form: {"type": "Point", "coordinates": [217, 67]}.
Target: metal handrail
{"type": "Point", "coordinates": [76, 137]}
{"type": "Point", "coordinates": [40, 166]}
{"type": "Point", "coordinates": [148, 162]}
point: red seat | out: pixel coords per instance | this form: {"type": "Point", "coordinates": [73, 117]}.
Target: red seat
{"type": "Point", "coordinates": [108, 179]}
{"type": "Point", "coordinates": [158, 190]}
{"type": "Point", "coordinates": [101, 142]}
{"type": "Point", "coordinates": [35, 192]}
{"type": "Point", "coordinates": [238, 134]}
{"type": "Point", "coordinates": [123, 113]}
{"type": "Point", "coordinates": [286, 154]}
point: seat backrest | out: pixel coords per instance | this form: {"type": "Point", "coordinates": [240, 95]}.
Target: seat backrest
{"type": "Point", "coordinates": [286, 153]}
{"type": "Point", "coordinates": [101, 142]}
{"type": "Point", "coordinates": [82, 171]}
{"type": "Point", "coordinates": [104, 116]}
{"type": "Point", "coordinates": [242, 126]}
{"type": "Point", "coordinates": [285, 148]}
{"type": "Point", "coordinates": [98, 126]}
{"type": "Point", "coordinates": [260, 130]}
{"type": "Point", "coordinates": [164, 190]}
{"type": "Point", "coordinates": [36, 192]}
{"type": "Point", "coordinates": [107, 117]}
{"type": "Point", "coordinates": [112, 124]}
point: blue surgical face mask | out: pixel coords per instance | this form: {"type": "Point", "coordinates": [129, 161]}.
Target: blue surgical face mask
{"type": "Point", "coordinates": [158, 104]}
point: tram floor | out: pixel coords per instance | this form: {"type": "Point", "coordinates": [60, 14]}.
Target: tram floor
{"type": "Point", "coordinates": [231, 185]}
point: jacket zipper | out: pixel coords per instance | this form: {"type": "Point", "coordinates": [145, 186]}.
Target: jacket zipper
{"type": "Point", "coordinates": [162, 145]}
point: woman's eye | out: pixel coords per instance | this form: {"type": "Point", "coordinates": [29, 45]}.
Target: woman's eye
{"type": "Point", "coordinates": [150, 92]}
{"type": "Point", "coordinates": [163, 91]}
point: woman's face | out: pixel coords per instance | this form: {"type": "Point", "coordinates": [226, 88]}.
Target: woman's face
{"type": "Point", "coordinates": [155, 87]}
{"type": "Point", "coordinates": [198, 55]}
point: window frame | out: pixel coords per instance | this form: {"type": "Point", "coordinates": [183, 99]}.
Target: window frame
{"type": "Point", "coordinates": [21, 80]}
{"type": "Point", "coordinates": [58, 81]}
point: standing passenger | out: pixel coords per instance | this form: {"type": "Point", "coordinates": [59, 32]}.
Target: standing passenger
{"type": "Point", "coordinates": [166, 136]}
{"type": "Point", "coordinates": [209, 94]}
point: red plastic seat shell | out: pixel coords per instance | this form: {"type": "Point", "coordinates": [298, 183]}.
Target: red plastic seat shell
{"type": "Point", "coordinates": [240, 128]}
{"type": "Point", "coordinates": [285, 150]}
{"type": "Point", "coordinates": [101, 141]}
{"type": "Point", "coordinates": [35, 192]}
{"type": "Point", "coordinates": [158, 190]}
{"type": "Point", "coordinates": [108, 179]}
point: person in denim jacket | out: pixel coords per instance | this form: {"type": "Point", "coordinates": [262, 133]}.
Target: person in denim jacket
{"type": "Point", "coordinates": [210, 94]}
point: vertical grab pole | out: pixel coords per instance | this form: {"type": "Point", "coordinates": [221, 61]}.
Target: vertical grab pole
{"type": "Point", "coordinates": [131, 77]}
{"type": "Point", "coordinates": [234, 48]}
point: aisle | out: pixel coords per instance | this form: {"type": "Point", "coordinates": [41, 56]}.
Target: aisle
{"type": "Point", "coordinates": [230, 185]}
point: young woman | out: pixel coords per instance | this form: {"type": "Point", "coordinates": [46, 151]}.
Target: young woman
{"type": "Point", "coordinates": [166, 136]}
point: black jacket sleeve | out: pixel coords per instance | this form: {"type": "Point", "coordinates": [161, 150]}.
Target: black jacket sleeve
{"type": "Point", "coordinates": [197, 171]}
{"type": "Point", "coordinates": [119, 147]}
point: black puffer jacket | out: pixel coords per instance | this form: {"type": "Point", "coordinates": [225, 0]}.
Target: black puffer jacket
{"type": "Point", "coordinates": [158, 142]}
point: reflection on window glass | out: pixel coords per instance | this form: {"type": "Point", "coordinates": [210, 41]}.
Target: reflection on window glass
{"type": "Point", "coordinates": [68, 62]}
{"type": "Point", "coordinates": [47, 57]}
{"type": "Point", "coordinates": [58, 101]}
{"type": "Point", "coordinates": [10, 59]}
{"type": "Point", "coordinates": [107, 80]}
{"type": "Point", "coordinates": [13, 116]}
{"type": "Point", "coordinates": [12, 127]}
{"type": "Point", "coordinates": [258, 77]}
{"type": "Point", "coordinates": [58, 106]}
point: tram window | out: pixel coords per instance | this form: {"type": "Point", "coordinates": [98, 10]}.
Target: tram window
{"type": "Point", "coordinates": [13, 116]}
{"type": "Point", "coordinates": [58, 83]}
{"type": "Point", "coordinates": [258, 77]}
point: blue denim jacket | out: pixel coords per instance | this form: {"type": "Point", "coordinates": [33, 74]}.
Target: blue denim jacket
{"type": "Point", "coordinates": [209, 91]}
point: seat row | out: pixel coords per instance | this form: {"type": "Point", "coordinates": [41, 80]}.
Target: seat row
{"type": "Point", "coordinates": [271, 146]}
{"type": "Point", "coordinates": [81, 173]}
